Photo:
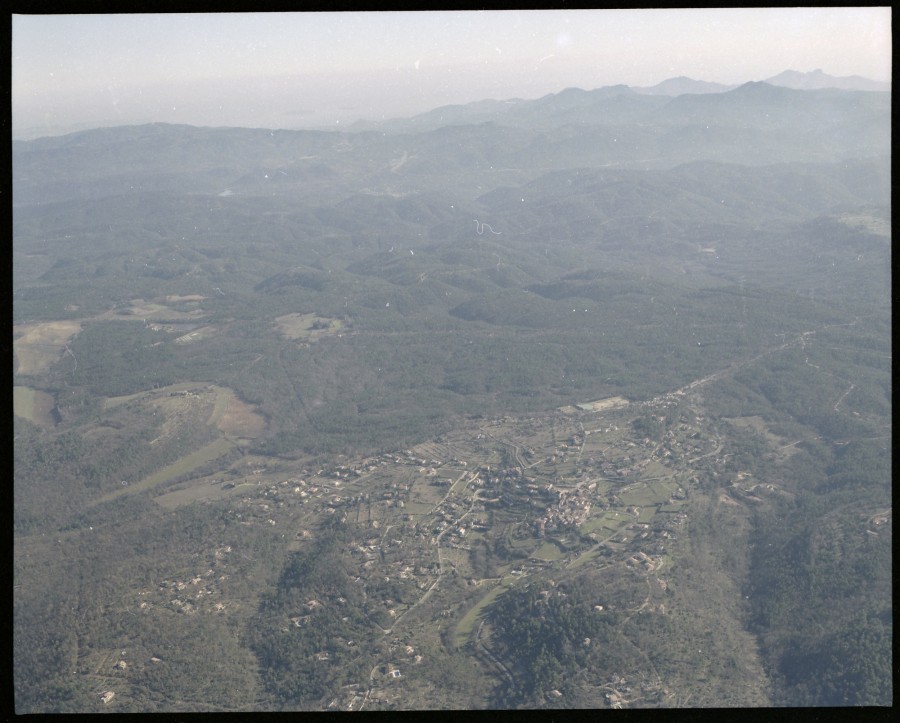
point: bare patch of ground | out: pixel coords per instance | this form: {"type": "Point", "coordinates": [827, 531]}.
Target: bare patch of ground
{"type": "Point", "coordinates": [604, 404]}
{"type": "Point", "coordinates": [38, 346]}
{"type": "Point", "coordinates": [867, 222]}
{"type": "Point", "coordinates": [235, 417]}
{"type": "Point", "coordinates": [175, 298]}
{"type": "Point", "coordinates": [33, 405]}
{"type": "Point", "coordinates": [196, 335]}
{"type": "Point", "coordinates": [153, 310]}
{"type": "Point", "coordinates": [308, 327]}
{"type": "Point", "coordinates": [201, 490]}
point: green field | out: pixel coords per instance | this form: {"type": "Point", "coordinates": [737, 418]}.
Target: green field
{"type": "Point", "coordinates": [417, 508]}
{"type": "Point", "coordinates": [584, 557]}
{"type": "Point", "coordinates": [647, 513]}
{"type": "Point", "coordinates": [641, 495]}
{"type": "Point", "coordinates": [608, 521]}
{"type": "Point", "coordinates": [549, 551]}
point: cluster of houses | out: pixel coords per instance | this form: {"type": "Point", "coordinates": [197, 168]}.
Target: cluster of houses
{"type": "Point", "coordinates": [572, 509]}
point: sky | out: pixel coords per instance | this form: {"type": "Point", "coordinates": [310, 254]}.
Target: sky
{"type": "Point", "coordinates": [327, 69]}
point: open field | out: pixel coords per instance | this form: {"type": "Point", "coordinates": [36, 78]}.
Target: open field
{"type": "Point", "coordinates": [38, 346]}
{"type": "Point", "coordinates": [229, 415]}
{"type": "Point", "coordinates": [196, 335]}
{"type": "Point", "coordinates": [640, 495]}
{"type": "Point", "coordinates": [417, 508]}
{"type": "Point", "coordinates": [153, 310]}
{"type": "Point", "coordinates": [867, 222]}
{"type": "Point", "coordinates": [467, 625]}
{"type": "Point", "coordinates": [306, 326]}
{"type": "Point", "coordinates": [606, 523]}
{"type": "Point", "coordinates": [183, 466]}
{"type": "Point", "coordinates": [234, 417]}
{"type": "Point", "coordinates": [205, 489]}
{"type": "Point", "coordinates": [33, 405]}
{"type": "Point", "coordinates": [601, 405]}
{"type": "Point", "coordinates": [111, 402]}
{"type": "Point", "coordinates": [175, 298]}
{"type": "Point", "coordinates": [549, 552]}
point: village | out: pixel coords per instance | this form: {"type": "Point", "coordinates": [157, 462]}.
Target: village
{"type": "Point", "coordinates": [556, 493]}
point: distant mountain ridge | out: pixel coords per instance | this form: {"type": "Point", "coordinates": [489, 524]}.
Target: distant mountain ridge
{"type": "Point", "coordinates": [755, 124]}
{"type": "Point", "coordinates": [814, 80]}
{"type": "Point", "coordinates": [818, 80]}
{"type": "Point", "coordinates": [682, 85]}
{"type": "Point", "coordinates": [615, 104]}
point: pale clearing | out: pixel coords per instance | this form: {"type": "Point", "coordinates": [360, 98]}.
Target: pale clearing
{"type": "Point", "coordinates": [33, 405]}
{"type": "Point", "coordinates": [38, 346]}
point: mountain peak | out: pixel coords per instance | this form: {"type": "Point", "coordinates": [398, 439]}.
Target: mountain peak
{"type": "Point", "coordinates": [683, 85]}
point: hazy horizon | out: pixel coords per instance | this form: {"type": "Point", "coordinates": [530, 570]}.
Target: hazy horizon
{"type": "Point", "coordinates": [327, 70]}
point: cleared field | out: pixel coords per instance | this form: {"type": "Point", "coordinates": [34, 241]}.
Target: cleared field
{"type": "Point", "coordinates": [198, 334]}
{"type": "Point", "coordinates": [152, 310]}
{"type": "Point", "coordinates": [111, 402]}
{"type": "Point", "coordinates": [175, 298]}
{"type": "Point", "coordinates": [602, 489]}
{"type": "Point", "coordinates": [467, 625]}
{"type": "Point", "coordinates": [307, 326]}
{"type": "Point", "coordinates": [609, 521]}
{"type": "Point", "coordinates": [418, 508]}
{"type": "Point", "coordinates": [674, 507]}
{"type": "Point", "coordinates": [234, 417]}
{"type": "Point", "coordinates": [200, 490]}
{"type": "Point", "coordinates": [34, 406]}
{"type": "Point", "coordinates": [427, 494]}
{"type": "Point", "coordinates": [641, 494]}
{"type": "Point", "coordinates": [38, 346]}
{"type": "Point", "coordinates": [663, 489]}
{"type": "Point", "coordinates": [229, 415]}
{"type": "Point", "coordinates": [585, 557]}
{"type": "Point", "coordinates": [549, 552]}
{"type": "Point", "coordinates": [867, 222]}
{"type": "Point", "coordinates": [648, 512]}
{"type": "Point", "coordinates": [600, 405]}
{"type": "Point", "coordinates": [183, 466]}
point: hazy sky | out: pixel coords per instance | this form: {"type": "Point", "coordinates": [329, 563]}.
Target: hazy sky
{"type": "Point", "coordinates": [288, 70]}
